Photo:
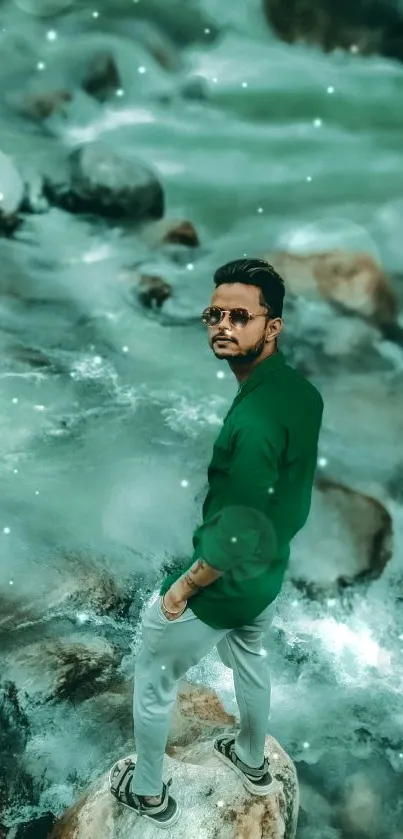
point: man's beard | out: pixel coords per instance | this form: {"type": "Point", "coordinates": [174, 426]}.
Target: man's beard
{"type": "Point", "coordinates": [252, 354]}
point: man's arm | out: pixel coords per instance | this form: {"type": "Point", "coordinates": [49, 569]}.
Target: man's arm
{"type": "Point", "coordinates": [243, 520]}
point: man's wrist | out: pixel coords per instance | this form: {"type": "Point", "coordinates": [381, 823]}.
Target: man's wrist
{"type": "Point", "coordinates": [196, 578]}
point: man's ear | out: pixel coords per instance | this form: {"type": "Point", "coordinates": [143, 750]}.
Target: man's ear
{"type": "Point", "coordinates": [275, 327]}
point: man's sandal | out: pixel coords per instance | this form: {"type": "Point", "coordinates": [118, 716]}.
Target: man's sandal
{"type": "Point", "coordinates": [257, 781]}
{"type": "Point", "coordinates": [164, 815]}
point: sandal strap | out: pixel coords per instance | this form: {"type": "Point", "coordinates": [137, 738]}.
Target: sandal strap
{"type": "Point", "coordinates": [226, 746]}
{"type": "Point", "coordinates": [120, 775]}
{"type": "Point", "coordinates": [157, 808]}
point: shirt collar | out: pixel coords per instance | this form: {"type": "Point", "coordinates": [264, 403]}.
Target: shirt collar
{"type": "Point", "coordinates": [260, 374]}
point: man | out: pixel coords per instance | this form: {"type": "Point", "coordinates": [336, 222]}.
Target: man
{"type": "Point", "coordinates": [260, 485]}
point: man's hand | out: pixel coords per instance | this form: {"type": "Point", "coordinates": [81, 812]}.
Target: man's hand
{"type": "Point", "coordinates": [174, 602]}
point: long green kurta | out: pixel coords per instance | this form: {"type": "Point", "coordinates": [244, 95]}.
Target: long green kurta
{"type": "Point", "coordinates": [260, 485]}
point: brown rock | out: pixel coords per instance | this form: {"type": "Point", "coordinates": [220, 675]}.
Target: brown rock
{"type": "Point", "coordinates": [153, 291]}
{"type": "Point", "coordinates": [40, 106]}
{"type": "Point", "coordinates": [352, 530]}
{"type": "Point", "coordinates": [367, 27]}
{"type": "Point", "coordinates": [172, 232]}
{"type": "Point", "coordinates": [102, 78]}
{"type": "Point", "coordinates": [203, 786]}
{"type": "Point", "coordinates": [353, 281]}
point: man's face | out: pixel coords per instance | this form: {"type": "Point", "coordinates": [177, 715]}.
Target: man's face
{"type": "Point", "coordinates": [244, 344]}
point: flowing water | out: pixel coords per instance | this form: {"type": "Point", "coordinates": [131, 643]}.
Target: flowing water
{"type": "Point", "coordinates": [107, 420]}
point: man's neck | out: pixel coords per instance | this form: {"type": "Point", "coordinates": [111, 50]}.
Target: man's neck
{"type": "Point", "coordinates": [243, 371]}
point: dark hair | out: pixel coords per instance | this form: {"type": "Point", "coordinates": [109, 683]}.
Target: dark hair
{"type": "Point", "coordinates": [256, 272]}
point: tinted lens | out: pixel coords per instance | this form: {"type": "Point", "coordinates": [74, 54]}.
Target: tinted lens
{"type": "Point", "coordinates": [239, 317]}
{"type": "Point", "coordinates": [212, 316]}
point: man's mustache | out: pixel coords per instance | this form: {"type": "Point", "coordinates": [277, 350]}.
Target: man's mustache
{"type": "Point", "coordinates": [224, 338]}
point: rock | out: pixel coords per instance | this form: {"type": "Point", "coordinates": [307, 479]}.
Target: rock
{"type": "Point", "coordinates": [11, 195]}
{"type": "Point", "coordinates": [34, 829]}
{"type": "Point", "coordinates": [353, 281]}
{"type": "Point", "coordinates": [362, 811]}
{"type": "Point", "coordinates": [73, 667]}
{"type": "Point", "coordinates": [213, 800]}
{"type": "Point", "coordinates": [171, 232]}
{"type": "Point", "coordinates": [153, 291]}
{"type": "Point", "coordinates": [14, 732]}
{"type": "Point", "coordinates": [102, 78]}
{"type": "Point", "coordinates": [367, 27]}
{"type": "Point", "coordinates": [102, 181]}
{"type": "Point", "coordinates": [40, 106]}
{"type": "Point", "coordinates": [352, 530]}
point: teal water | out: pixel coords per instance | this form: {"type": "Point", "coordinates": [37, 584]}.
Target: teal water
{"type": "Point", "coordinates": [105, 444]}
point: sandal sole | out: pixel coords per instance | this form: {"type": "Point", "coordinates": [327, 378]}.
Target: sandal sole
{"type": "Point", "coordinates": [165, 824]}
{"type": "Point", "coordinates": [249, 785]}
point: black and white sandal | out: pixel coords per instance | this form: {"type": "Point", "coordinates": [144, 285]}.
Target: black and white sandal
{"type": "Point", "coordinates": [257, 781]}
{"type": "Point", "coordinates": [164, 815]}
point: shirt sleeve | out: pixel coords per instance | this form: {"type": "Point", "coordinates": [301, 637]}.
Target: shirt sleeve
{"type": "Point", "coordinates": [243, 525]}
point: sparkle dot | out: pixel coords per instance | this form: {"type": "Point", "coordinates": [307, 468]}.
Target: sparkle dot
{"type": "Point", "coordinates": [215, 80]}
{"type": "Point", "coordinates": [119, 92]}
{"type": "Point", "coordinates": [309, 178]}
{"type": "Point", "coordinates": [234, 539]}
{"type": "Point", "coordinates": [163, 667]}
{"type": "Point", "coordinates": [40, 65]}
{"type": "Point", "coordinates": [14, 400]}
{"type": "Point", "coordinates": [15, 471]}
{"type": "Point", "coordinates": [207, 31]}
{"type": "Point", "coordinates": [322, 461]}
{"type": "Point", "coordinates": [354, 48]}
{"type": "Point", "coordinates": [220, 374]}
{"type": "Point", "coordinates": [294, 603]}
{"type": "Point", "coordinates": [270, 490]}
{"type": "Point", "coordinates": [39, 407]}
{"type": "Point", "coordinates": [37, 492]}
{"type": "Point", "coordinates": [95, 14]}
{"type": "Point", "coordinates": [244, 84]}
{"type": "Point", "coordinates": [220, 804]}
{"type": "Point", "coordinates": [260, 209]}
{"type": "Point", "coordinates": [184, 483]}
{"type": "Point", "coordinates": [1, 196]}
{"type": "Point", "coordinates": [263, 652]}
{"type": "Point", "coordinates": [11, 583]}
{"type": "Point", "coordinates": [142, 70]}
{"type": "Point", "coordinates": [331, 601]}
{"type": "Point", "coordinates": [125, 349]}
{"type": "Point", "coordinates": [305, 745]}
{"type": "Point", "coordinates": [330, 89]}
{"type": "Point", "coordinates": [190, 266]}
{"type": "Point", "coordinates": [317, 123]}
{"type": "Point", "coordinates": [51, 35]}
{"type": "Point", "coordinates": [97, 359]}
{"type": "Point", "coordinates": [275, 755]}
{"type": "Point", "coordinates": [401, 755]}
{"type": "Point", "coordinates": [6, 530]}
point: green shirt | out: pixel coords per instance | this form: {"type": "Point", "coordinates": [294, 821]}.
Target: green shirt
{"type": "Point", "coordinates": [260, 485]}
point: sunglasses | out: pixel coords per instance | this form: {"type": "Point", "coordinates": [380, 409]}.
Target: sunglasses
{"type": "Point", "coordinates": [239, 318]}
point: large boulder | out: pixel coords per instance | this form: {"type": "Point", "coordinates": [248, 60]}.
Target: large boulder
{"type": "Point", "coordinates": [11, 195]}
{"type": "Point", "coordinates": [101, 181]}
{"type": "Point", "coordinates": [348, 538]}
{"type": "Point", "coordinates": [213, 800]}
{"type": "Point", "coordinates": [361, 25]}
{"type": "Point", "coordinates": [351, 281]}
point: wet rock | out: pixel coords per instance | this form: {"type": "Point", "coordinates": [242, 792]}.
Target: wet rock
{"type": "Point", "coordinates": [373, 26]}
{"type": "Point", "coordinates": [153, 291]}
{"type": "Point", "coordinates": [15, 784]}
{"type": "Point", "coordinates": [11, 195]}
{"type": "Point", "coordinates": [363, 806]}
{"type": "Point", "coordinates": [172, 232]}
{"type": "Point", "coordinates": [351, 530]}
{"type": "Point", "coordinates": [195, 89]}
{"type": "Point", "coordinates": [40, 106]}
{"type": "Point", "coordinates": [71, 668]}
{"type": "Point", "coordinates": [203, 785]}
{"type": "Point", "coordinates": [101, 181]}
{"type": "Point", "coordinates": [183, 22]}
{"type": "Point", "coordinates": [352, 281]}
{"type": "Point", "coordinates": [102, 78]}
{"type": "Point", "coordinates": [35, 828]}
